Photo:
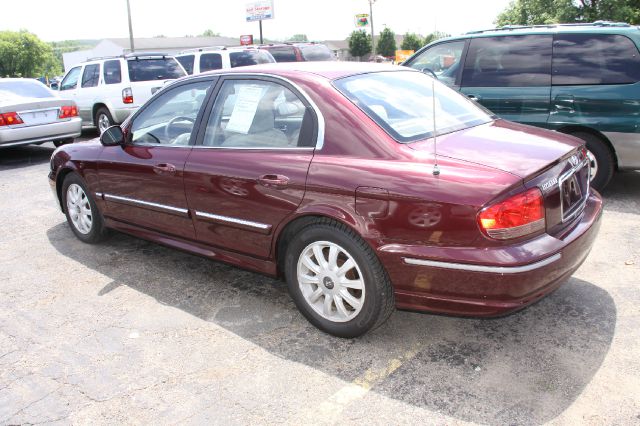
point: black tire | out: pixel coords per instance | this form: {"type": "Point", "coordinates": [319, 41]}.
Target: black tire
{"type": "Point", "coordinates": [603, 157]}
{"type": "Point", "coordinates": [97, 231]}
{"type": "Point", "coordinates": [103, 115]}
{"type": "Point", "coordinates": [379, 301]}
{"type": "Point", "coordinates": [61, 142]}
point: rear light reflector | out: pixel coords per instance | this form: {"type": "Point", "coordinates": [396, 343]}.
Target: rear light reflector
{"type": "Point", "coordinates": [520, 215]}
{"type": "Point", "coordinates": [68, 111]}
{"type": "Point", "coordinates": [127, 96]}
{"type": "Point", "coordinates": [10, 118]}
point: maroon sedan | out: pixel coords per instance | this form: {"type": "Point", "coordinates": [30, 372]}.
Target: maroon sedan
{"type": "Point", "coordinates": [355, 182]}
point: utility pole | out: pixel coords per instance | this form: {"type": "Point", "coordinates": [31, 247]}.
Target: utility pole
{"type": "Point", "coordinates": [373, 45]}
{"type": "Point", "coordinates": [130, 26]}
{"type": "Point", "coordinates": [261, 31]}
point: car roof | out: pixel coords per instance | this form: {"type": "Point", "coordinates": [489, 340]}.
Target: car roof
{"type": "Point", "coordinates": [329, 69]}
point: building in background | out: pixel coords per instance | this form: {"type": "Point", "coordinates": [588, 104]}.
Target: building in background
{"type": "Point", "coordinates": [120, 46]}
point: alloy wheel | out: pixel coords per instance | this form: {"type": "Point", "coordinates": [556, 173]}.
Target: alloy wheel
{"type": "Point", "coordinates": [331, 281]}
{"type": "Point", "coordinates": [593, 164]}
{"type": "Point", "coordinates": [103, 123]}
{"type": "Point", "coordinates": [79, 209]}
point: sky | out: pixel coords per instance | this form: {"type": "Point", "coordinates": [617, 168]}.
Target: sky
{"type": "Point", "coordinates": [319, 20]}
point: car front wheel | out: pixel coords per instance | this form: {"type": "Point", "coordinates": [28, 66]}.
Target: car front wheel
{"type": "Point", "coordinates": [81, 210]}
{"type": "Point", "coordinates": [336, 280]}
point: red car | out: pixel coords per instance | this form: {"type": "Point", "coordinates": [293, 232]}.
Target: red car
{"type": "Point", "coordinates": [353, 181]}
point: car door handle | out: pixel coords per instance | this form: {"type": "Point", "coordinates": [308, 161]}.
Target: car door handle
{"type": "Point", "coordinates": [164, 168]}
{"type": "Point", "coordinates": [473, 98]}
{"type": "Point", "coordinates": [274, 181]}
{"type": "Point", "coordinates": [564, 103]}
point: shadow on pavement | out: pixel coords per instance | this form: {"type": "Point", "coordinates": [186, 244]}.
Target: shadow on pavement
{"type": "Point", "coordinates": [526, 368]}
{"type": "Point", "coordinates": [623, 192]}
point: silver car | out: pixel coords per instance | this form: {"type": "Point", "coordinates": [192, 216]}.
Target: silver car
{"type": "Point", "coordinates": [31, 113]}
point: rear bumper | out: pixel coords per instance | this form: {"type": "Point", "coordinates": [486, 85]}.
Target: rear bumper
{"type": "Point", "coordinates": [40, 133]}
{"type": "Point", "coordinates": [489, 281]}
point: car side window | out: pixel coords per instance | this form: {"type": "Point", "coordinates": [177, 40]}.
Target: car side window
{"type": "Point", "coordinates": [71, 80]}
{"type": "Point", "coordinates": [91, 75]}
{"type": "Point", "coordinates": [169, 119]}
{"type": "Point", "coordinates": [112, 72]}
{"type": "Point", "coordinates": [210, 61]}
{"type": "Point", "coordinates": [187, 62]}
{"type": "Point", "coordinates": [508, 61]}
{"type": "Point", "coordinates": [442, 59]}
{"type": "Point", "coordinates": [594, 59]}
{"type": "Point", "coordinates": [257, 114]}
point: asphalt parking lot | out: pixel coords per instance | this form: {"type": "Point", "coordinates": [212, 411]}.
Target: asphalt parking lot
{"type": "Point", "coordinates": [131, 332]}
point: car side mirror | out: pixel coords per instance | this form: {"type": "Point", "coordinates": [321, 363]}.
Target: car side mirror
{"type": "Point", "coordinates": [112, 136]}
{"type": "Point", "coordinates": [429, 71]}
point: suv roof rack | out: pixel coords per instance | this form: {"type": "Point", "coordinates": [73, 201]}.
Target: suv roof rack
{"type": "Point", "coordinates": [97, 58]}
{"type": "Point", "coordinates": [202, 49]}
{"type": "Point", "coordinates": [576, 24]}
{"type": "Point", "coordinates": [145, 54]}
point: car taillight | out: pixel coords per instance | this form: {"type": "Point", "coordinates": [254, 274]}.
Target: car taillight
{"type": "Point", "coordinates": [68, 111]}
{"type": "Point", "coordinates": [9, 118]}
{"type": "Point", "coordinates": [520, 215]}
{"type": "Point", "coordinates": [127, 96]}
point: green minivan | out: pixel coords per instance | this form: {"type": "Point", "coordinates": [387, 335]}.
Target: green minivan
{"type": "Point", "coordinates": [580, 79]}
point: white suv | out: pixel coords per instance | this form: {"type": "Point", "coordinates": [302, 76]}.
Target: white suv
{"type": "Point", "coordinates": [108, 90]}
{"type": "Point", "coordinates": [196, 61]}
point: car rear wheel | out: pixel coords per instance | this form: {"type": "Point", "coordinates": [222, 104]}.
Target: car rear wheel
{"type": "Point", "coordinates": [601, 159]}
{"type": "Point", "coordinates": [336, 280]}
{"type": "Point", "coordinates": [81, 211]}
{"type": "Point", "coordinates": [103, 119]}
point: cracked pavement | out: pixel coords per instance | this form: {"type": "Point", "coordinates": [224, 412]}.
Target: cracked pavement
{"type": "Point", "coordinates": [132, 332]}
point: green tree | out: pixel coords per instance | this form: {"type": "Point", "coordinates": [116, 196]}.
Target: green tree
{"type": "Point", "coordinates": [298, 37]}
{"type": "Point", "coordinates": [434, 36]}
{"type": "Point", "coordinates": [412, 41]}
{"type": "Point", "coordinates": [540, 12]}
{"type": "Point", "coordinates": [23, 54]}
{"type": "Point", "coordinates": [386, 43]}
{"type": "Point", "coordinates": [209, 33]}
{"type": "Point", "coordinates": [359, 44]}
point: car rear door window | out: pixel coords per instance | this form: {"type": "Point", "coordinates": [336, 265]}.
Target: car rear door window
{"type": "Point", "coordinates": [187, 62]}
{"type": "Point", "coordinates": [112, 72]}
{"type": "Point", "coordinates": [154, 69]}
{"type": "Point", "coordinates": [594, 59]}
{"type": "Point", "coordinates": [210, 61]}
{"type": "Point", "coordinates": [508, 61]}
{"type": "Point", "coordinates": [283, 53]}
{"type": "Point", "coordinates": [257, 114]}
{"type": "Point", "coordinates": [91, 75]}
{"type": "Point", "coordinates": [71, 79]}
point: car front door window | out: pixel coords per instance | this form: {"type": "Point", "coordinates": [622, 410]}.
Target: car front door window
{"type": "Point", "coordinates": [71, 80]}
{"type": "Point", "coordinates": [442, 59]}
{"type": "Point", "coordinates": [170, 118]}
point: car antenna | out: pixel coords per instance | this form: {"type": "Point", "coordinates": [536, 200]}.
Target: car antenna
{"type": "Point", "coordinates": [436, 169]}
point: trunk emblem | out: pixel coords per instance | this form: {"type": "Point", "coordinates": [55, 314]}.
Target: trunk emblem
{"type": "Point", "coordinates": [548, 184]}
{"type": "Point", "coordinates": [574, 160]}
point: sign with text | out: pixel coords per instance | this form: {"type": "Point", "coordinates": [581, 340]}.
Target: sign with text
{"type": "Point", "coordinates": [403, 55]}
{"type": "Point", "coordinates": [259, 10]}
{"type": "Point", "coordinates": [246, 40]}
{"type": "Point", "coordinates": [362, 20]}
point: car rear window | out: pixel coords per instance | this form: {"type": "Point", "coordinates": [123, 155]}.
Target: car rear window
{"type": "Point", "coordinates": [250, 57]}
{"type": "Point", "coordinates": [594, 59]}
{"type": "Point", "coordinates": [283, 53]}
{"type": "Point", "coordinates": [316, 52]}
{"type": "Point", "coordinates": [24, 89]}
{"type": "Point", "coordinates": [402, 104]}
{"type": "Point", "coordinates": [154, 69]}
{"type": "Point", "coordinates": [186, 62]}
{"type": "Point", "coordinates": [210, 61]}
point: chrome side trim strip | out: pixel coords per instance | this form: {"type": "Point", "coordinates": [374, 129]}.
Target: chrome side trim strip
{"type": "Point", "coordinates": [146, 203]}
{"type": "Point", "coordinates": [257, 225]}
{"type": "Point", "coordinates": [99, 194]}
{"type": "Point", "coordinates": [483, 268]}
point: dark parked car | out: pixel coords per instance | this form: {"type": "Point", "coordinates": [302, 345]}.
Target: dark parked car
{"type": "Point", "coordinates": [328, 175]}
{"type": "Point", "coordinates": [299, 52]}
{"type": "Point", "coordinates": [579, 79]}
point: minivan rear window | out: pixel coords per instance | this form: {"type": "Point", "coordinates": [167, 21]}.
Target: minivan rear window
{"type": "Point", "coordinates": [154, 69]}
{"type": "Point", "coordinates": [594, 59]}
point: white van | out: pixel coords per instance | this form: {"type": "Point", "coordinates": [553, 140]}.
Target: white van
{"type": "Point", "coordinates": [196, 61]}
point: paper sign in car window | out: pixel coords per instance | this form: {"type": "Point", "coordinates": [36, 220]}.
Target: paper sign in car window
{"type": "Point", "coordinates": [244, 110]}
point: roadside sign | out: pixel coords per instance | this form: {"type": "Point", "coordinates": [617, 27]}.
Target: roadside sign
{"type": "Point", "coordinates": [362, 20]}
{"type": "Point", "coordinates": [403, 55]}
{"type": "Point", "coordinates": [259, 10]}
{"type": "Point", "coordinates": [246, 40]}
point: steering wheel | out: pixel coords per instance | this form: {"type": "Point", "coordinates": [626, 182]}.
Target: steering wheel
{"type": "Point", "coordinates": [173, 121]}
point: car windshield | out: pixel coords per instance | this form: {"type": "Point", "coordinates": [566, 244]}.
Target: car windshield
{"type": "Point", "coordinates": [250, 57]}
{"type": "Point", "coordinates": [316, 52]}
{"type": "Point", "coordinates": [402, 103]}
{"type": "Point", "coordinates": [154, 69]}
{"type": "Point", "coordinates": [24, 89]}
